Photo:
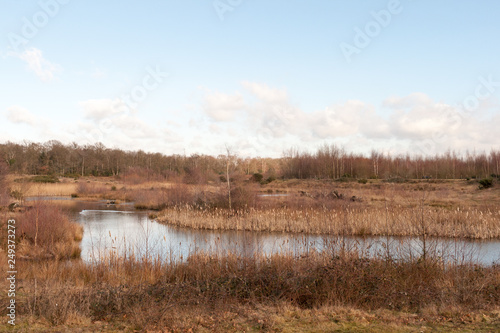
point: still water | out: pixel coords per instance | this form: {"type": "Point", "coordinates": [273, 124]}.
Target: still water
{"type": "Point", "coordinates": [120, 229]}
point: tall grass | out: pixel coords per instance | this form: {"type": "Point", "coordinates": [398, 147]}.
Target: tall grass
{"type": "Point", "coordinates": [161, 198]}
{"type": "Point", "coordinates": [398, 221]}
{"type": "Point", "coordinates": [151, 293]}
{"type": "Point", "coordinates": [91, 189]}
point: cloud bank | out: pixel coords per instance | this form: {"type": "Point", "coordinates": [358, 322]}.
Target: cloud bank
{"type": "Point", "coordinates": [258, 120]}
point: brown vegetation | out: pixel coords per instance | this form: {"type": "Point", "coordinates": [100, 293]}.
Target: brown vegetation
{"type": "Point", "coordinates": [214, 293]}
{"type": "Point", "coordinates": [43, 232]}
{"type": "Point", "coordinates": [440, 209]}
{"type": "Point", "coordinates": [4, 190]}
{"type": "Point", "coordinates": [399, 221]}
{"type": "Point", "coordinates": [338, 193]}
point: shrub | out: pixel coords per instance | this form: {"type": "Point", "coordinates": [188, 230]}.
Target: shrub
{"type": "Point", "coordinates": [257, 177]}
{"type": "Point", "coordinates": [270, 179]}
{"type": "Point", "coordinates": [18, 195]}
{"type": "Point", "coordinates": [44, 179]}
{"type": "Point", "coordinates": [398, 180]}
{"type": "Point", "coordinates": [193, 176]}
{"type": "Point", "coordinates": [46, 230]}
{"type": "Point", "coordinates": [363, 181]}
{"type": "Point", "coordinates": [485, 183]}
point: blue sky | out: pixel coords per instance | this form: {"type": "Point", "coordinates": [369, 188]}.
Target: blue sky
{"type": "Point", "coordinates": [259, 76]}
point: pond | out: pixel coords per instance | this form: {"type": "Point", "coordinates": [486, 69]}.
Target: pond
{"type": "Point", "coordinates": [121, 230]}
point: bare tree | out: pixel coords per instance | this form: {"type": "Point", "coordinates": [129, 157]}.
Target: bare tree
{"type": "Point", "coordinates": [229, 157]}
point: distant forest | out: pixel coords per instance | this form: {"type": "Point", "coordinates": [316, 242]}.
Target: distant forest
{"type": "Point", "coordinates": [328, 162]}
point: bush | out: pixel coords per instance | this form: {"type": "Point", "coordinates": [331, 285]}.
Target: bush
{"type": "Point", "coordinates": [398, 180]}
{"type": "Point", "coordinates": [18, 195]}
{"type": "Point", "coordinates": [485, 183]}
{"type": "Point", "coordinates": [45, 230]}
{"type": "Point", "coordinates": [257, 177]}
{"type": "Point", "coordinates": [270, 179]}
{"type": "Point", "coordinates": [44, 179]}
{"type": "Point", "coordinates": [363, 181]}
{"type": "Point", "coordinates": [194, 176]}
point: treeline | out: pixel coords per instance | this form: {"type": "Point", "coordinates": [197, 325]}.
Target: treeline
{"type": "Point", "coordinates": [74, 160]}
{"type": "Point", "coordinates": [334, 162]}
{"type": "Point", "coordinates": [328, 162]}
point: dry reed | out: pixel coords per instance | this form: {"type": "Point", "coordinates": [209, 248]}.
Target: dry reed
{"type": "Point", "coordinates": [397, 221]}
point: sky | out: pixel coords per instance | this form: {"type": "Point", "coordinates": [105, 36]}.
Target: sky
{"type": "Point", "coordinates": [261, 77]}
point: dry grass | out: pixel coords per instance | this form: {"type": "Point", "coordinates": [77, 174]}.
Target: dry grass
{"type": "Point", "coordinates": [395, 221]}
{"type": "Point", "coordinates": [322, 291]}
{"type": "Point", "coordinates": [44, 189]}
{"type": "Point", "coordinates": [442, 209]}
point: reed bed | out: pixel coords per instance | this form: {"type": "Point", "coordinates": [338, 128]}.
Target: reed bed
{"type": "Point", "coordinates": [471, 223]}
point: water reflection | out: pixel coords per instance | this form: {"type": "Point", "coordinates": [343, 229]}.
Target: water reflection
{"type": "Point", "coordinates": [121, 230]}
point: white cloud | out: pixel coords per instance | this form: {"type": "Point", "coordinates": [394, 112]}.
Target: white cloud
{"type": "Point", "coordinates": [20, 115]}
{"type": "Point", "coordinates": [222, 107]}
{"type": "Point", "coordinates": [42, 68]}
{"type": "Point", "coordinates": [101, 108]}
{"type": "Point", "coordinates": [107, 121]}
{"type": "Point", "coordinates": [408, 101]}
{"type": "Point", "coordinates": [265, 93]}
{"type": "Point", "coordinates": [434, 127]}
{"type": "Point", "coordinates": [262, 121]}
{"type": "Point", "coordinates": [269, 122]}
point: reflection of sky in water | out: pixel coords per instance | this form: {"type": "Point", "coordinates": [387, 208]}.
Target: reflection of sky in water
{"type": "Point", "coordinates": [120, 230]}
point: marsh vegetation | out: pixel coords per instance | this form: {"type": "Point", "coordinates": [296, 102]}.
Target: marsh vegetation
{"type": "Point", "coordinates": [337, 288]}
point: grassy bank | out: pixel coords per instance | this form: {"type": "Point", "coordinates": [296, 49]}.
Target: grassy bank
{"type": "Point", "coordinates": [320, 292]}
